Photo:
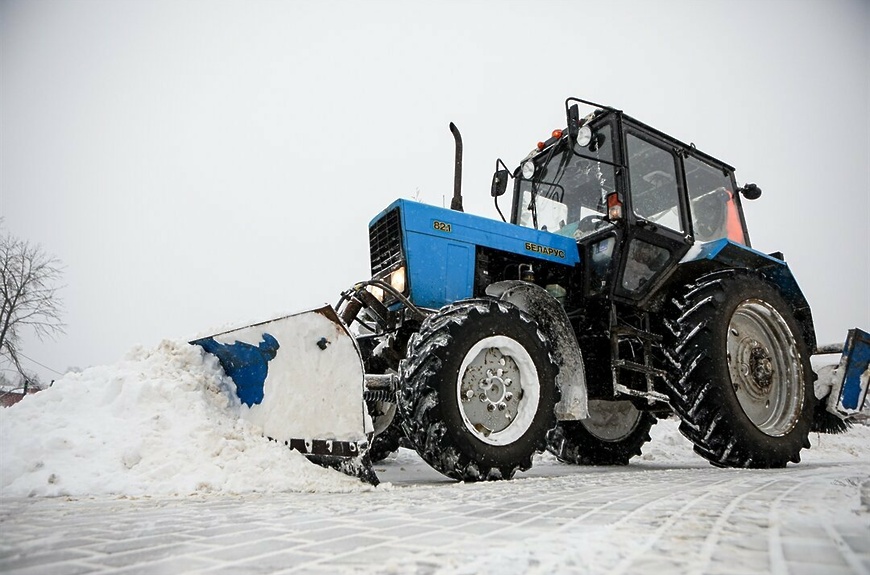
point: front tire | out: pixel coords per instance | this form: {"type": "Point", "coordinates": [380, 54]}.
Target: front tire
{"type": "Point", "coordinates": [744, 384]}
{"type": "Point", "coordinates": [614, 433]}
{"type": "Point", "coordinates": [478, 390]}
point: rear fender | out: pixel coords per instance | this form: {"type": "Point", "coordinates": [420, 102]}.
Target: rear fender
{"type": "Point", "coordinates": [724, 254]}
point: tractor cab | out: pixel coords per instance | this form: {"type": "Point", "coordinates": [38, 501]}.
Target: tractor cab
{"type": "Point", "coordinates": [635, 200]}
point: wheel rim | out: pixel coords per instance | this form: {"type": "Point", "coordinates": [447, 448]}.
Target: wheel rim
{"type": "Point", "coordinates": [498, 390]}
{"type": "Point", "coordinates": [611, 420]}
{"type": "Point", "coordinates": [765, 367]}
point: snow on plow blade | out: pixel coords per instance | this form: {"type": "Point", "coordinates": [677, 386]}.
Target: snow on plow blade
{"type": "Point", "coordinates": [300, 378]}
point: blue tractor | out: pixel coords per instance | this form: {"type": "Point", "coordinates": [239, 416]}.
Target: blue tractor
{"type": "Point", "coordinates": [623, 288]}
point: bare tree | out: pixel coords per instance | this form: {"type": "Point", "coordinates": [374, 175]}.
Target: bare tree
{"type": "Point", "coordinates": [29, 280]}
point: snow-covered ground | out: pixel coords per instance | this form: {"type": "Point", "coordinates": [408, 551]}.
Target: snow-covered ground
{"type": "Point", "coordinates": [150, 453]}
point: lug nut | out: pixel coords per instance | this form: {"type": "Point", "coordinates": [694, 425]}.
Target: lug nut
{"type": "Point", "coordinates": [490, 407]}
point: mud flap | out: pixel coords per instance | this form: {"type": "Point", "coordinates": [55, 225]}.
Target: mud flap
{"type": "Point", "coordinates": [300, 378]}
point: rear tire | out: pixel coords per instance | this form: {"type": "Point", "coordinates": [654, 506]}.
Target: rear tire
{"type": "Point", "coordinates": [614, 433]}
{"type": "Point", "coordinates": [478, 390]}
{"type": "Point", "coordinates": [743, 385]}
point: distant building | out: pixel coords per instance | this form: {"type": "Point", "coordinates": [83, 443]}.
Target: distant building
{"type": "Point", "coordinates": [10, 397]}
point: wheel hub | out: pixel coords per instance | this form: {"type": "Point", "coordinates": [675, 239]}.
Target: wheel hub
{"type": "Point", "coordinates": [754, 365]}
{"type": "Point", "coordinates": [760, 367]}
{"type": "Point", "coordinates": [765, 367]}
{"type": "Point", "coordinates": [490, 391]}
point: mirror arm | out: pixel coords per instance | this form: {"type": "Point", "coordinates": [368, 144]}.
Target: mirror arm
{"type": "Point", "coordinates": [498, 209]}
{"type": "Point", "coordinates": [499, 186]}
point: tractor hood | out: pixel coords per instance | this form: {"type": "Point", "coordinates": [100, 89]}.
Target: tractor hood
{"type": "Point", "coordinates": [438, 247]}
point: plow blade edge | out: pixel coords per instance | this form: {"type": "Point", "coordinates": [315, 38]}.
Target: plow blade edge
{"type": "Point", "coordinates": [300, 378]}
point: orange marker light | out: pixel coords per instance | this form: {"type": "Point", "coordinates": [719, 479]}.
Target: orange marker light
{"type": "Point", "coordinates": [557, 134]}
{"type": "Point", "coordinates": [540, 145]}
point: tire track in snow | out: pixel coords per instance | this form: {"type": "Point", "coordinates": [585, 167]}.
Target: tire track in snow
{"type": "Point", "coordinates": [624, 566]}
{"type": "Point", "coordinates": [711, 543]}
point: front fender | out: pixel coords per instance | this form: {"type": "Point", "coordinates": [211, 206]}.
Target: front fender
{"type": "Point", "coordinates": [551, 318]}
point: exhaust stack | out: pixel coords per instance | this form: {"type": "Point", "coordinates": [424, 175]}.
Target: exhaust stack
{"type": "Point", "coordinates": [456, 202]}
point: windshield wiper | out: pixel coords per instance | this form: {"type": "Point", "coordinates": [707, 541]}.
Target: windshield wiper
{"type": "Point", "coordinates": [536, 181]}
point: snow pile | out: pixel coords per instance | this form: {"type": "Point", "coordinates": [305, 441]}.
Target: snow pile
{"type": "Point", "coordinates": [162, 421]}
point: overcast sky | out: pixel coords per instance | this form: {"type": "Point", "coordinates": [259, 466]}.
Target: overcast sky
{"type": "Point", "coordinates": [196, 164]}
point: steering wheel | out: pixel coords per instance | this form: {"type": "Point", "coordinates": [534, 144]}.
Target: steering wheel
{"type": "Point", "coordinates": [591, 223]}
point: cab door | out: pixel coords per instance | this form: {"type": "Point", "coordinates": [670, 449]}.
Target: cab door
{"type": "Point", "coordinates": [657, 232]}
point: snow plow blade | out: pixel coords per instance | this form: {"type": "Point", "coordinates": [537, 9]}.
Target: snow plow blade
{"type": "Point", "coordinates": [300, 378]}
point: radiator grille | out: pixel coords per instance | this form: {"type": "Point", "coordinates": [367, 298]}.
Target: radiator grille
{"type": "Point", "coordinates": [385, 242]}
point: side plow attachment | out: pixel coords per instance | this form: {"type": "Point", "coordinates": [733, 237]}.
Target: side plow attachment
{"type": "Point", "coordinates": [852, 378]}
{"type": "Point", "coordinates": [843, 387]}
{"type": "Point", "coordinates": [300, 378]}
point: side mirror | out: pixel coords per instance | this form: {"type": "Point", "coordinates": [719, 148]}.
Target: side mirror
{"type": "Point", "coordinates": [750, 191]}
{"type": "Point", "coordinates": [573, 122]}
{"type": "Point", "coordinates": [499, 183]}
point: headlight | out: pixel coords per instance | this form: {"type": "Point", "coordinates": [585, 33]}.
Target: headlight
{"type": "Point", "coordinates": [397, 280]}
{"type": "Point", "coordinates": [529, 170]}
{"type": "Point", "coordinates": [584, 136]}
{"type": "Point", "coordinates": [376, 291]}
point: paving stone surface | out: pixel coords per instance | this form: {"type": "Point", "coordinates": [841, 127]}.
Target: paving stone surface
{"type": "Point", "coordinates": [640, 519]}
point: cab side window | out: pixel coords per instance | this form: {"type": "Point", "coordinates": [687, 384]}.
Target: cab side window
{"type": "Point", "coordinates": [711, 201]}
{"type": "Point", "coordinates": [653, 180]}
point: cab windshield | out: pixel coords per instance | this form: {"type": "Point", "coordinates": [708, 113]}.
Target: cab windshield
{"type": "Point", "coordinates": [567, 194]}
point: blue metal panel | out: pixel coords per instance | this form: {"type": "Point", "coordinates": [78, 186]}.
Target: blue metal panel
{"type": "Point", "coordinates": [459, 281]}
{"type": "Point", "coordinates": [855, 362]}
{"type": "Point", "coordinates": [728, 252]}
{"type": "Point", "coordinates": [440, 248]}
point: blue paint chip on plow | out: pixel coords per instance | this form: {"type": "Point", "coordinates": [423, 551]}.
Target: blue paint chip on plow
{"type": "Point", "coordinates": [246, 364]}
